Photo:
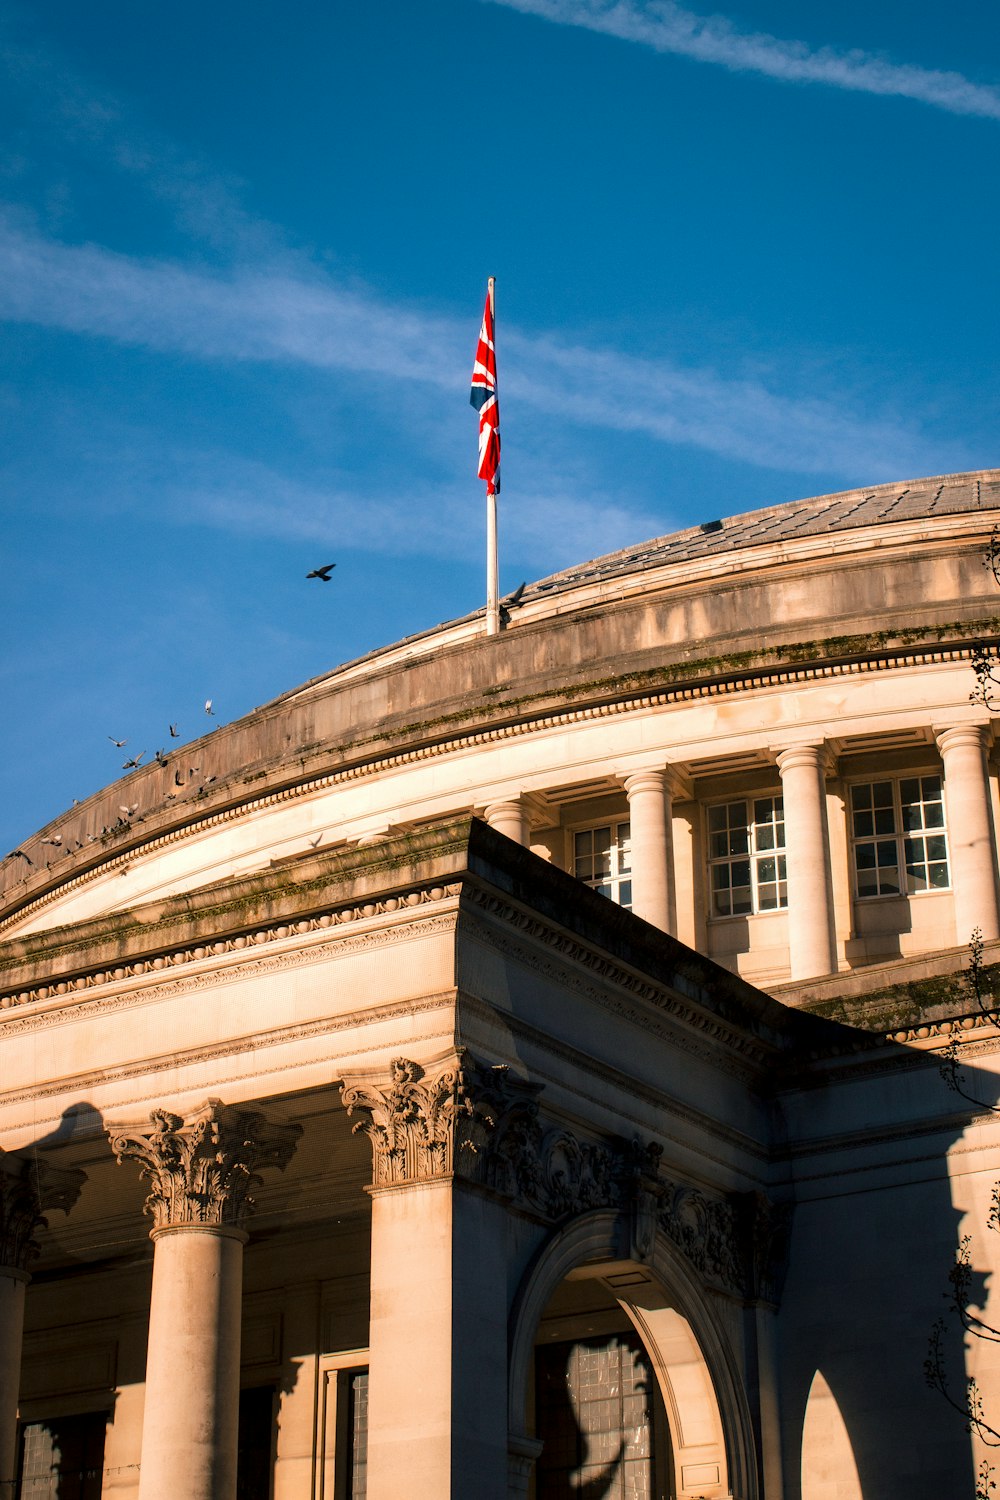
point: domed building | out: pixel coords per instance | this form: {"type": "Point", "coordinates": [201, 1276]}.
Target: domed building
{"type": "Point", "coordinates": [552, 1049]}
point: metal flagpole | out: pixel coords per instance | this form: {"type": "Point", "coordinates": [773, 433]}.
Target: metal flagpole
{"type": "Point", "coordinates": [492, 562]}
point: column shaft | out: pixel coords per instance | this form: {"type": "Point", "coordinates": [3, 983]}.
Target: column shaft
{"type": "Point", "coordinates": [437, 1400]}
{"type": "Point", "coordinates": [811, 948]}
{"type": "Point", "coordinates": [191, 1415]}
{"type": "Point", "coordinates": [12, 1285]}
{"type": "Point", "coordinates": [970, 831]}
{"type": "Point", "coordinates": [510, 818]}
{"type": "Point", "coordinates": [650, 811]}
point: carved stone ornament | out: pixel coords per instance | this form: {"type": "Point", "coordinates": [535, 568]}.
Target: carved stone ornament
{"type": "Point", "coordinates": [29, 1189]}
{"type": "Point", "coordinates": [423, 1126]}
{"type": "Point", "coordinates": [202, 1172]}
{"type": "Point", "coordinates": [738, 1243]}
{"type": "Point", "coordinates": [477, 1123]}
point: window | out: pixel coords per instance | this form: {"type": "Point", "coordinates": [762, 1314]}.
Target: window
{"type": "Point", "coordinates": [601, 1419]}
{"type": "Point", "coordinates": [746, 856]}
{"type": "Point", "coordinates": [357, 1428]}
{"type": "Point", "coordinates": [602, 859]}
{"type": "Point", "coordinates": [63, 1458]}
{"type": "Point", "coordinates": [900, 846]}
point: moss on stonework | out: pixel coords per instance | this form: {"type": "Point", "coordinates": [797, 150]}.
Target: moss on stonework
{"type": "Point", "coordinates": [897, 1007]}
{"type": "Point", "coordinates": [829, 648]}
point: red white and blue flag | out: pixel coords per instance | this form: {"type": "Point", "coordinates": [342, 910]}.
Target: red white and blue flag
{"type": "Point", "coordinates": [484, 398]}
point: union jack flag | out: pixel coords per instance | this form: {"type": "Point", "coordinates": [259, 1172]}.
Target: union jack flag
{"type": "Point", "coordinates": [484, 398]}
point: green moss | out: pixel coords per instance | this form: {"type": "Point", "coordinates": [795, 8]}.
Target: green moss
{"type": "Point", "coordinates": [900, 1006]}
{"type": "Point", "coordinates": [700, 669]}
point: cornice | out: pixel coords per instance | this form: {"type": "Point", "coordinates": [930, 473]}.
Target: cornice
{"type": "Point", "coordinates": [639, 692]}
{"type": "Point", "coordinates": [662, 1008]}
{"type": "Point", "coordinates": [667, 1106]}
{"type": "Point", "coordinates": [238, 943]}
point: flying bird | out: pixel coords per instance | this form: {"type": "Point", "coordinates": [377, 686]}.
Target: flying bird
{"type": "Point", "coordinates": [120, 743]}
{"type": "Point", "coordinates": [161, 759]}
{"type": "Point", "coordinates": [130, 765]}
{"type": "Point", "coordinates": [55, 841]}
{"type": "Point", "coordinates": [127, 812]}
{"type": "Point", "coordinates": [20, 854]}
{"type": "Point", "coordinates": [315, 841]}
{"type": "Point", "coordinates": [323, 572]}
{"type": "Point", "coordinates": [208, 706]}
{"type": "Point", "coordinates": [174, 732]}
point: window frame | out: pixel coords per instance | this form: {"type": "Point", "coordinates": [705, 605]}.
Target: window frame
{"type": "Point", "coordinates": [754, 855]}
{"type": "Point", "coordinates": [620, 874]}
{"type": "Point", "coordinates": [333, 1434]}
{"type": "Point", "coordinates": [900, 835]}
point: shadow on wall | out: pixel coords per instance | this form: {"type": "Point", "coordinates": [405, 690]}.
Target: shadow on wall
{"type": "Point", "coordinates": [875, 1234]}
{"type": "Point", "coordinates": [60, 1454]}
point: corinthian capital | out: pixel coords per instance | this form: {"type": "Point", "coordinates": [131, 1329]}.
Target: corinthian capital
{"type": "Point", "coordinates": [202, 1171]}
{"type": "Point", "coordinates": [29, 1189]}
{"type": "Point", "coordinates": [423, 1124]}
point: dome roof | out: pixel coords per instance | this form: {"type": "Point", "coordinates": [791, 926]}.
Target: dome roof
{"type": "Point", "coordinates": [727, 605]}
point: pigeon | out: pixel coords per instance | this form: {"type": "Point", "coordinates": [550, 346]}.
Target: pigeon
{"type": "Point", "coordinates": [315, 841]}
{"type": "Point", "coordinates": [130, 765]}
{"type": "Point", "coordinates": [127, 812]}
{"type": "Point", "coordinates": [20, 854]}
{"type": "Point", "coordinates": [174, 732]}
{"type": "Point", "coordinates": [120, 743]}
{"type": "Point", "coordinates": [208, 706]}
{"type": "Point", "coordinates": [323, 572]}
{"type": "Point", "coordinates": [55, 841]}
{"type": "Point", "coordinates": [161, 759]}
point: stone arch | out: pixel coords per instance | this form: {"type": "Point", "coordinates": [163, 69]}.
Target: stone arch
{"type": "Point", "coordinates": [696, 1370]}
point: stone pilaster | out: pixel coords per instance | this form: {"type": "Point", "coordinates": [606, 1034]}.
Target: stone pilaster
{"type": "Point", "coordinates": [29, 1189]}
{"type": "Point", "coordinates": [439, 1292]}
{"type": "Point", "coordinates": [650, 800]}
{"type": "Point", "coordinates": [810, 919]}
{"type": "Point", "coordinates": [201, 1172]}
{"type": "Point", "coordinates": [970, 830]}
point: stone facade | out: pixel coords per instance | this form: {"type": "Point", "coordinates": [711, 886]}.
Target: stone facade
{"type": "Point", "coordinates": [433, 1136]}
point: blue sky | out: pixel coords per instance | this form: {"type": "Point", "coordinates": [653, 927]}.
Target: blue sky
{"type": "Point", "coordinates": [742, 256]}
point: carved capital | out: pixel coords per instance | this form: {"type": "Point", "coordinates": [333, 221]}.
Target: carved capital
{"type": "Point", "coordinates": [29, 1189]}
{"type": "Point", "coordinates": [737, 1243]}
{"type": "Point", "coordinates": [767, 1229]}
{"type": "Point", "coordinates": [424, 1125]}
{"type": "Point", "coordinates": [202, 1172]}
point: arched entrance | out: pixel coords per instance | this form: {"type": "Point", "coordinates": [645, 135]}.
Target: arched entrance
{"type": "Point", "coordinates": [621, 1380]}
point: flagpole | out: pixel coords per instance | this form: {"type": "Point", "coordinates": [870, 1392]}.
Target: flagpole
{"type": "Point", "coordinates": [492, 561]}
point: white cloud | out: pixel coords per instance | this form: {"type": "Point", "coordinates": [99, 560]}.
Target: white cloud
{"type": "Point", "coordinates": [298, 316]}
{"type": "Point", "coordinates": [670, 28]}
{"type": "Point", "coordinates": [542, 531]}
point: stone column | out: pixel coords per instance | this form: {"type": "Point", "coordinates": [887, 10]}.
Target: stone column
{"type": "Point", "coordinates": [437, 1395]}
{"type": "Point", "coordinates": [650, 814]}
{"type": "Point", "coordinates": [28, 1189]}
{"type": "Point", "coordinates": [810, 926]}
{"type": "Point", "coordinates": [201, 1173]}
{"type": "Point", "coordinates": [970, 830]}
{"type": "Point", "coordinates": [510, 818]}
